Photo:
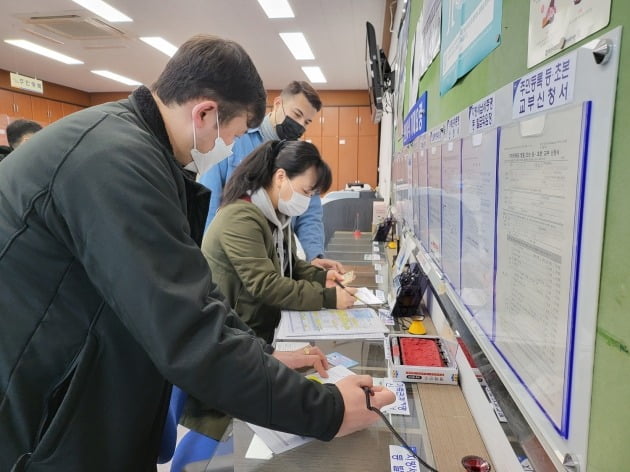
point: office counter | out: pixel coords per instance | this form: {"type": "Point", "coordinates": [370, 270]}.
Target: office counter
{"type": "Point", "coordinates": [351, 251]}
{"type": "Point", "coordinates": [440, 425]}
{"type": "Point", "coordinates": [362, 451]}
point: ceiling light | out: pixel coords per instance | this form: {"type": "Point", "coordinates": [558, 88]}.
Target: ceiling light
{"type": "Point", "coordinates": [104, 10]}
{"type": "Point", "coordinates": [277, 8]}
{"type": "Point", "coordinates": [116, 77]}
{"type": "Point", "coordinates": [160, 44]}
{"type": "Point", "coordinates": [22, 43]}
{"type": "Point", "coordinates": [314, 74]}
{"type": "Point", "coordinates": [296, 42]}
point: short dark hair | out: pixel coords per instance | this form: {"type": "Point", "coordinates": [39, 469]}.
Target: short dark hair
{"type": "Point", "coordinates": [257, 170]}
{"type": "Point", "coordinates": [295, 88]}
{"type": "Point", "coordinates": [20, 128]}
{"type": "Point", "coordinates": [217, 69]}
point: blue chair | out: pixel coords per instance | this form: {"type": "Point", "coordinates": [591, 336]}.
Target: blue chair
{"type": "Point", "coordinates": [169, 434]}
{"type": "Point", "coordinates": [193, 447]}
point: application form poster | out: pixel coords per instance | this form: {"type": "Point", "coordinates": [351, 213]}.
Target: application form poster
{"type": "Point", "coordinates": [539, 208]}
{"type": "Point", "coordinates": [414, 189]}
{"type": "Point", "coordinates": [408, 209]}
{"type": "Point", "coordinates": [554, 25]}
{"type": "Point", "coordinates": [471, 29]}
{"type": "Point", "coordinates": [434, 193]}
{"type": "Point", "coordinates": [479, 164]}
{"type": "Point", "coordinates": [427, 38]}
{"type": "Point", "coordinates": [451, 211]}
{"type": "Point", "coordinates": [401, 185]}
{"type": "Point", "coordinates": [423, 191]}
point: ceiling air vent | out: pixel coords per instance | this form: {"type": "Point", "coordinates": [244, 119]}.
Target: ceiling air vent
{"type": "Point", "coordinates": [76, 27]}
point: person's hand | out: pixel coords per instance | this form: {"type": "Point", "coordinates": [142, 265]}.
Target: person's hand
{"type": "Point", "coordinates": [356, 415]}
{"type": "Point", "coordinates": [345, 297]}
{"type": "Point", "coordinates": [327, 264]}
{"type": "Point", "coordinates": [332, 277]}
{"type": "Point", "coordinates": [309, 356]}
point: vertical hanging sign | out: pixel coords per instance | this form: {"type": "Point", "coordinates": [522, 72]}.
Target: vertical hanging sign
{"type": "Point", "coordinates": [415, 122]}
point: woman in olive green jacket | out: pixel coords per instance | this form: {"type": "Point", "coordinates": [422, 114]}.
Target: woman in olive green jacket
{"type": "Point", "coordinates": [249, 244]}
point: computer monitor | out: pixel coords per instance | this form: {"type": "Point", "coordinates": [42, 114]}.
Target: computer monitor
{"type": "Point", "coordinates": [378, 73]}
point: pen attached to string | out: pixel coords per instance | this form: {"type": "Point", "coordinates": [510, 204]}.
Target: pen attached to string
{"type": "Point", "coordinates": [368, 392]}
{"type": "Point", "coordinates": [343, 287]}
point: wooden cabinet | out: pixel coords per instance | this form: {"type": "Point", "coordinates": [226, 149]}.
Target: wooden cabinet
{"type": "Point", "coordinates": [358, 146]}
{"type": "Point", "coordinates": [22, 106]}
{"type": "Point", "coordinates": [40, 109]}
{"type": "Point", "coordinates": [367, 160]}
{"type": "Point", "coordinates": [15, 105]}
{"type": "Point", "coordinates": [330, 153]}
{"type": "Point", "coordinates": [6, 102]}
{"type": "Point", "coordinates": [347, 167]}
{"type": "Point", "coordinates": [68, 108]}
{"type": "Point", "coordinates": [45, 110]}
{"type": "Point", "coordinates": [348, 121]}
{"type": "Point", "coordinates": [356, 121]}
{"type": "Point", "coordinates": [4, 122]}
{"type": "Point", "coordinates": [348, 142]}
{"type": "Point", "coordinates": [366, 126]}
{"type": "Point", "coordinates": [330, 121]}
{"type": "Point", "coordinates": [55, 110]}
{"type": "Point", "coordinates": [314, 130]}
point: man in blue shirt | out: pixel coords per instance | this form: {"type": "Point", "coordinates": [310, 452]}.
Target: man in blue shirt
{"type": "Point", "coordinates": [292, 111]}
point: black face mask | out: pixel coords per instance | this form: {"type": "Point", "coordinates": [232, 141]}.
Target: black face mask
{"type": "Point", "coordinates": [289, 129]}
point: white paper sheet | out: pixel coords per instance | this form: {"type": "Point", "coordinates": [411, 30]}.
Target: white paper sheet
{"type": "Point", "coordinates": [330, 324]}
{"type": "Point", "coordinates": [286, 346]}
{"type": "Point", "coordinates": [539, 192]}
{"type": "Point", "coordinates": [365, 296]}
{"type": "Point", "coordinates": [258, 449]}
{"type": "Point", "coordinates": [479, 163]}
{"type": "Point", "coordinates": [277, 441]}
{"type": "Point", "coordinates": [451, 211]}
{"type": "Point", "coordinates": [435, 203]}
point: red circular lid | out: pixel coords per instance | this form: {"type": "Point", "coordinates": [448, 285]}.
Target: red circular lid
{"type": "Point", "coordinates": [475, 464]}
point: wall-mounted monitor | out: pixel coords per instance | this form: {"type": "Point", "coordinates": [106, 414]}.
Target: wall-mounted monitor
{"type": "Point", "coordinates": [379, 77]}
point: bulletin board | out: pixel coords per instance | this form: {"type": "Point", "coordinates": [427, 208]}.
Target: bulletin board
{"type": "Point", "coordinates": [508, 218]}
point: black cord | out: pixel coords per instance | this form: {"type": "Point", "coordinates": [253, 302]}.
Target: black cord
{"type": "Point", "coordinates": [368, 393]}
{"type": "Point", "coordinates": [404, 325]}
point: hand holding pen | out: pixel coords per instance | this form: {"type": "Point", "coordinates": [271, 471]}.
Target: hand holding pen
{"type": "Point", "coordinates": [345, 296]}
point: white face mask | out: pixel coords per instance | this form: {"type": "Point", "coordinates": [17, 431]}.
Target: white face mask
{"type": "Point", "coordinates": [296, 205]}
{"type": "Point", "coordinates": [202, 162]}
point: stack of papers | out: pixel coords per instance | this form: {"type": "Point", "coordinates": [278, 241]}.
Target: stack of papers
{"type": "Point", "coordinates": [365, 296]}
{"type": "Point", "coordinates": [361, 323]}
{"type": "Point", "coordinates": [278, 442]}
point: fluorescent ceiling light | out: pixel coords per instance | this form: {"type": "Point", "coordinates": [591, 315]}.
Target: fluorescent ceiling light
{"type": "Point", "coordinates": [37, 49]}
{"type": "Point", "coordinates": [104, 10]}
{"type": "Point", "coordinates": [277, 8]}
{"type": "Point", "coordinates": [160, 44]}
{"type": "Point", "coordinates": [314, 74]}
{"type": "Point", "coordinates": [296, 42]}
{"type": "Point", "coordinates": [116, 77]}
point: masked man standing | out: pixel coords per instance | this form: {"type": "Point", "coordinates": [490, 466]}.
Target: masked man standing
{"type": "Point", "coordinates": [293, 110]}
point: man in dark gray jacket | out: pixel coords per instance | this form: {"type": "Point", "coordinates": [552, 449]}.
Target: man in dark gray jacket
{"type": "Point", "coordinates": [105, 297]}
